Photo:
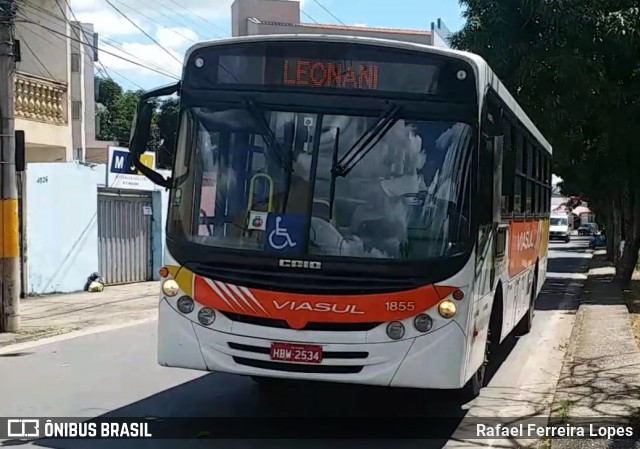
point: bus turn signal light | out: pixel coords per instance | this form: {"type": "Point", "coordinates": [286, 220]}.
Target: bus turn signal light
{"type": "Point", "coordinates": [458, 295]}
{"type": "Point", "coordinates": [164, 272]}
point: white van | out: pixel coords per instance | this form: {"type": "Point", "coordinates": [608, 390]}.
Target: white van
{"type": "Point", "coordinates": [559, 228]}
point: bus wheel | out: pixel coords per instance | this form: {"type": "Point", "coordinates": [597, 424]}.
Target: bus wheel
{"type": "Point", "coordinates": [524, 326]}
{"type": "Point", "coordinates": [478, 381]}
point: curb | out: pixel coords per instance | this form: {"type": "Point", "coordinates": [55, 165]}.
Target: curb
{"type": "Point", "coordinates": [66, 334]}
{"type": "Point", "coordinates": [567, 363]}
{"type": "Point", "coordinates": [564, 395]}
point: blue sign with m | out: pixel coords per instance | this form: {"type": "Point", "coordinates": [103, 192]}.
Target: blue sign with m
{"type": "Point", "coordinates": [121, 164]}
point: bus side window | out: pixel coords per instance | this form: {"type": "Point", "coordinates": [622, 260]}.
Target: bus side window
{"type": "Point", "coordinates": [491, 136]}
{"type": "Point", "coordinates": [508, 167]}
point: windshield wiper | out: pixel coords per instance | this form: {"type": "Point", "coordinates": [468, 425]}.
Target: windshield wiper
{"type": "Point", "coordinates": [362, 146]}
{"type": "Point", "coordinates": [267, 134]}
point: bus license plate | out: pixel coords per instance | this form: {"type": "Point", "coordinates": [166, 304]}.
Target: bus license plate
{"type": "Point", "coordinates": [287, 352]}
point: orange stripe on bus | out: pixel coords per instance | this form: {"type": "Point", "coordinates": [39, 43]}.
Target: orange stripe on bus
{"type": "Point", "coordinates": [299, 309]}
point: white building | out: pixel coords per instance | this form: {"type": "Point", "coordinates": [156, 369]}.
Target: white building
{"type": "Point", "coordinates": [54, 83]}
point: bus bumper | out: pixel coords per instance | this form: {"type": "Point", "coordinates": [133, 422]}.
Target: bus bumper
{"type": "Point", "coordinates": [432, 361]}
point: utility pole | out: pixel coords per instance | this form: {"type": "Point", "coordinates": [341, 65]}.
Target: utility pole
{"type": "Point", "coordinates": [9, 224]}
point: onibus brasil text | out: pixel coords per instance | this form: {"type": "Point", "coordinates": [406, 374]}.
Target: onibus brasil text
{"type": "Point", "coordinates": [50, 429]}
{"type": "Point", "coordinates": [567, 430]}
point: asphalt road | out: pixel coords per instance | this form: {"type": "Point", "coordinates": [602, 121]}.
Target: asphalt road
{"type": "Point", "coordinates": [116, 373]}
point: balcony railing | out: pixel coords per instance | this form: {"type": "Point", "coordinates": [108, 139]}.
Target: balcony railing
{"type": "Point", "coordinates": [40, 99]}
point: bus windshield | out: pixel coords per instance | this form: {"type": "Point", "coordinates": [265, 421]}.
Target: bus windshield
{"type": "Point", "coordinates": [268, 181]}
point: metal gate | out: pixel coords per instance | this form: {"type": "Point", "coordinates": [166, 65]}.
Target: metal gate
{"type": "Point", "coordinates": [124, 237]}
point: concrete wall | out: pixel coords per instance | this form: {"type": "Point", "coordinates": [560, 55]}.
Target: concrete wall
{"type": "Point", "coordinates": [50, 48]}
{"type": "Point", "coordinates": [440, 34]}
{"type": "Point", "coordinates": [62, 230]}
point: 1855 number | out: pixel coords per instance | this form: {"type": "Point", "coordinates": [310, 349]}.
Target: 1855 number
{"type": "Point", "coordinates": [400, 306]}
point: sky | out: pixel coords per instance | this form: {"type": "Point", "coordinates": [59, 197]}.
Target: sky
{"type": "Point", "coordinates": [177, 24]}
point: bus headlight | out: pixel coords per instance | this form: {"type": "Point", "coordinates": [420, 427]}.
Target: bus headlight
{"type": "Point", "coordinates": [423, 323]}
{"type": "Point", "coordinates": [206, 316]}
{"type": "Point", "coordinates": [395, 330]}
{"type": "Point", "coordinates": [170, 287]}
{"type": "Point", "coordinates": [185, 304]}
{"type": "Point", "coordinates": [447, 309]}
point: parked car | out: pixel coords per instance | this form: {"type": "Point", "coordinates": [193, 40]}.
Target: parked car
{"type": "Point", "coordinates": [588, 229]}
{"type": "Point", "coordinates": [559, 228]}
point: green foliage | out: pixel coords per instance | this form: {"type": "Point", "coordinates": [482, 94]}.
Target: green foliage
{"type": "Point", "coordinates": [574, 66]}
{"type": "Point", "coordinates": [167, 122]}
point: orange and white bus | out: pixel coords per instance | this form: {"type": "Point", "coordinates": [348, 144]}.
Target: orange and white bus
{"type": "Point", "coordinates": [347, 209]}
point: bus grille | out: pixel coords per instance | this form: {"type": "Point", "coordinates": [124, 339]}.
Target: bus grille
{"type": "Point", "coordinates": [311, 326]}
{"type": "Point", "coordinates": [298, 368]}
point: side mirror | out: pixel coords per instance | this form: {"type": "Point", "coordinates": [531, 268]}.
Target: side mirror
{"type": "Point", "coordinates": [141, 131]}
{"type": "Point", "coordinates": [141, 128]}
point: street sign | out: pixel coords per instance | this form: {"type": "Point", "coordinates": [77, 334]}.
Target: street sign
{"type": "Point", "coordinates": [122, 174]}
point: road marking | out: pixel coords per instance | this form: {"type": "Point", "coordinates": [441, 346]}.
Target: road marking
{"type": "Point", "coordinates": [74, 334]}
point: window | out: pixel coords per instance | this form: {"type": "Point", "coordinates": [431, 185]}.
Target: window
{"type": "Point", "coordinates": [508, 168]}
{"type": "Point", "coordinates": [527, 170]}
{"type": "Point", "coordinates": [75, 62]}
{"type": "Point", "coordinates": [76, 110]}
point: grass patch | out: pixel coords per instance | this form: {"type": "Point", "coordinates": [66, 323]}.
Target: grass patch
{"type": "Point", "coordinates": [545, 443]}
{"type": "Point", "coordinates": [563, 412]}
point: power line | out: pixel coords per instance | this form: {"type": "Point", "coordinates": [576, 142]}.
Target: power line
{"type": "Point", "coordinates": [120, 47]}
{"type": "Point", "coordinates": [175, 12]}
{"type": "Point", "coordinates": [155, 21]}
{"type": "Point", "coordinates": [142, 30]}
{"type": "Point", "coordinates": [61, 36]}
{"type": "Point", "coordinates": [330, 13]}
{"type": "Point", "coordinates": [84, 34]}
{"type": "Point", "coordinates": [203, 18]}
{"type": "Point", "coordinates": [35, 55]}
{"type": "Point", "coordinates": [307, 15]}
{"type": "Point", "coordinates": [51, 30]}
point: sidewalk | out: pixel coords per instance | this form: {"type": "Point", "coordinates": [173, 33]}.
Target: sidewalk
{"type": "Point", "coordinates": [600, 378]}
{"type": "Point", "coordinates": [49, 315]}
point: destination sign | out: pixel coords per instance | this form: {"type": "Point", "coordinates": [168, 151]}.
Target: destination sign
{"type": "Point", "coordinates": [303, 72]}
{"type": "Point", "coordinates": [330, 66]}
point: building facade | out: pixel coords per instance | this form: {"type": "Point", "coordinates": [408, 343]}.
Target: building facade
{"type": "Point", "coordinates": [259, 17]}
{"type": "Point", "coordinates": [54, 83]}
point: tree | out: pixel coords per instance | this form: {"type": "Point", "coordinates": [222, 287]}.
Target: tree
{"type": "Point", "coordinates": [118, 111]}
{"type": "Point", "coordinates": [575, 69]}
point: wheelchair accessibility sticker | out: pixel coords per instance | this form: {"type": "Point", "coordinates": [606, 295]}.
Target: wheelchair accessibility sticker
{"type": "Point", "coordinates": [284, 232]}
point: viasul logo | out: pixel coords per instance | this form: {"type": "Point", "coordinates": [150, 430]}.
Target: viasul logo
{"type": "Point", "coordinates": [525, 240]}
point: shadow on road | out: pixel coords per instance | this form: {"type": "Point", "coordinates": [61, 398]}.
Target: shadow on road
{"type": "Point", "coordinates": [567, 268]}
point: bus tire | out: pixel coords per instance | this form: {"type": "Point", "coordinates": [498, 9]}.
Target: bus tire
{"type": "Point", "coordinates": [479, 379]}
{"type": "Point", "coordinates": [524, 326]}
